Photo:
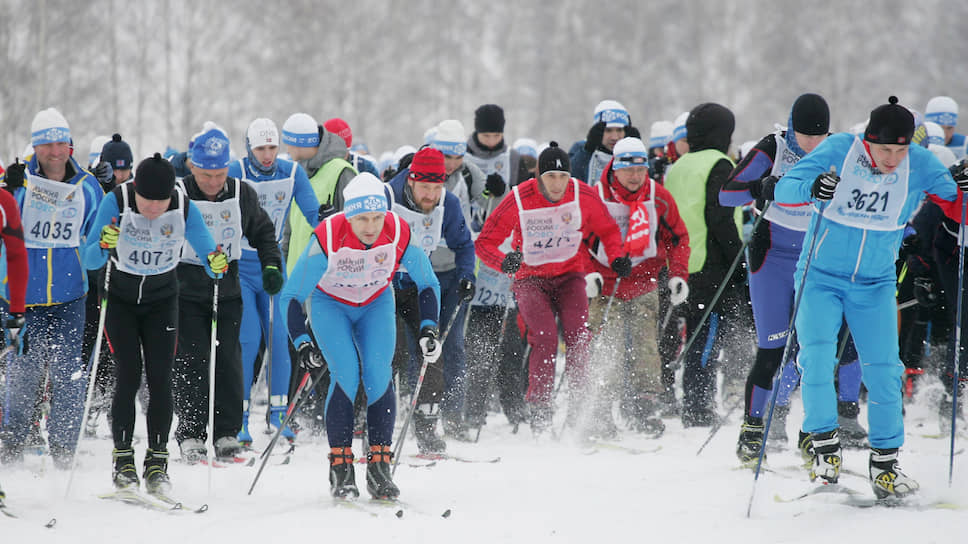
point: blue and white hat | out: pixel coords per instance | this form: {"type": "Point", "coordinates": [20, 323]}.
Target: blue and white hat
{"type": "Point", "coordinates": [613, 113]}
{"type": "Point", "coordinates": [300, 130]}
{"type": "Point", "coordinates": [526, 146]}
{"type": "Point", "coordinates": [48, 127]}
{"type": "Point", "coordinates": [659, 133]}
{"type": "Point", "coordinates": [629, 152]}
{"type": "Point", "coordinates": [94, 155]}
{"type": "Point", "coordinates": [364, 193]}
{"type": "Point", "coordinates": [211, 148]}
{"type": "Point", "coordinates": [679, 127]}
{"type": "Point", "coordinates": [450, 138]}
{"type": "Point", "coordinates": [935, 133]}
{"type": "Point", "coordinates": [942, 110]}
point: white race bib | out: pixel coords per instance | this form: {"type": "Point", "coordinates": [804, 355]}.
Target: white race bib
{"type": "Point", "coordinates": [596, 165]}
{"type": "Point", "coordinates": [425, 228]}
{"type": "Point", "coordinates": [275, 195]}
{"type": "Point", "coordinates": [356, 275]}
{"type": "Point", "coordinates": [224, 222]}
{"type": "Point", "coordinates": [550, 235]}
{"type": "Point", "coordinates": [865, 198]}
{"type": "Point", "coordinates": [620, 213]}
{"type": "Point", "coordinates": [53, 213]}
{"type": "Point", "coordinates": [794, 218]}
{"type": "Point", "coordinates": [147, 247]}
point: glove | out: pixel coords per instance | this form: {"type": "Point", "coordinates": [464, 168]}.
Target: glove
{"type": "Point", "coordinates": [309, 356]}
{"type": "Point", "coordinates": [824, 186]}
{"type": "Point", "coordinates": [910, 245]}
{"type": "Point", "coordinates": [466, 290]}
{"type": "Point", "coordinates": [622, 266]}
{"type": "Point", "coordinates": [593, 285]}
{"type": "Point", "coordinates": [678, 289]}
{"type": "Point", "coordinates": [271, 279]}
{"type": "Point", "coordinates": [512, 262]}
{"type": "Point", "coordinates": [14, 176]}
{"type": "Point", "coordinates": [15, 326]}
{"type": "Point", "coordinates": [109, 235]}
{"type": "Point", "coordinates": [105, 175]}
{"type": "Point", "coordinates": [218, 261]}
{"type": "Point", "coordinates": [959, 171]}
{"type": "Point", "coordinates": [925, 293]}
{"type": "Point", "coordinates": [495, 185]}
{"type": "Point", "coordinates": [763, 188]}
{"type": "Point", "coordinates": [429, 346]}
{"type": "Point", "coordinates": [325, 211]}
{"type": "Point", "coordinates": [594, 138]}
{"type": "Point", "coordinates": [632, 132]}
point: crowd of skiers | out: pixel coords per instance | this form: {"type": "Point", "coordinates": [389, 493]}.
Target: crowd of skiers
{"type": "Point", "coordinates": [457, 272]}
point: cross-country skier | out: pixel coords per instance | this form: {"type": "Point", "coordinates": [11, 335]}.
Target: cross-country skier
{"type": "Point", "coordinates": [589, 157]}
{"type": "Point", "coordinates": [943, 110]}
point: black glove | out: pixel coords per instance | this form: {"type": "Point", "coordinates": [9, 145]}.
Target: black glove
{"type": "Point", "coordinates": [326, 210]}
{"type": "Point", "coordinates": [310, 358]}
{"type": "Point", "coordinates": [512, 262]}
{"type": "Point", "coordinates": [762, 188]}
{"type": "Point", "coordinates": [14, 327]}
{"type": "Point", "coordinates": [910, 245]}
{"type": "Point", "coordinates": [271, 279]}
{"type": "Point", "coordinates": [466, 289]}
{"type": "Point", "coordinates": [594, 138]}
{"type": "Point", "coordinates": [429, 345]}
{"type": "Point", "coordinates": [657, 167]}
{"type": "Point", "coordinates": [925, 293]}
{"type": "Point", "coordinates": [105, 175]}
{"type": "Point", "coordinates": [959, 171]}
{"type": "Point", "coordinates": [632, 132]}
{"type": "Point", "coordinates": [495, 185]}
{"type": "Point", "coordinates": [824, 186]}
{"type": "Point", "coordinates": [14, 176]}
{"type": "Point", "coordinates": [622, 266]}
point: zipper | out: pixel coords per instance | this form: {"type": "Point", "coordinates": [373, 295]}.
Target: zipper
{"type": "Point", "coordinates": [820, 242]}
{"type": "Point", "coordinates": [860, 255]}
{"type": "Point", "coordinates": [141, 285]}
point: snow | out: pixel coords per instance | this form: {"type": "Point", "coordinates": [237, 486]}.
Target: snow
{"type": "Point", "coordinates": [540, 491]}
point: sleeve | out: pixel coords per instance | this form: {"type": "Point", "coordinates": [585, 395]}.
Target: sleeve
{"type": "Point", "coordinates": [13, 242]}
{"type": "Point", "coordinates": [197, 234]}
{"type": "Point", "coordinates": [600, 223]}
{"type": "Point", "coordinates": [345, 177]}
{"type": "Point", "coordinates": [939, 181]}
{"type": "Point", "coordinates": [458, 237]}
{"type": "Point", "coordinates": [304, 196]}
{"type": "Point", "coordinates": [303, 279]}
{"type": "Point", "coordinates": [673, 235]}
{"type": "Point", "coordinates": [428, 287]}
{"type": "Point", "coordinates": [921, 261]}
{"type": "Point", "coordinates": [498, 226]}
{"type": "Point", "coordinates": [720, 220]}
{"type": "Point", "coordinates": [579, 158]}
{"type": "Point", "coordinates": [757, 164]}
{"type": "Point", "coordinates": [93, 195]}
{"type": "Point", "coordinates": [477, 186]}
{"type": "Point", "coordinates": [258, 228]}
{"type": "Point", "coordinates": [795, 185]}
{"type": "Point", "coordinates": [94, 255]}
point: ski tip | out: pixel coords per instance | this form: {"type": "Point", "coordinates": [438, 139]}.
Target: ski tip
{"type": "Point", "coordinates": [50, 524]}
{"type": "Point", "coordinates": [202, 509]}
{"type": "Point", "coordinates": [446, 514]}
{"type": "Point", "coordinates": [399, 513]}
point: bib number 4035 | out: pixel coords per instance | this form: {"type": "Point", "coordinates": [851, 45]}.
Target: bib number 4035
{"type": "Point", "coordinates": [873, 201]}
{"type": "Point", "coordinates": [52, 230]}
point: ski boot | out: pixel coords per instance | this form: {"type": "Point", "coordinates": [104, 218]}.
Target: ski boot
{"type": "Point", "coordinates": [750, 441]}
{"type": "Point", "coordinates": [277, 414]}
{"type": "Point", "coordinates": [378, 474]}
{"type": "Point", "coordinates": [425, 427]}
{"type": "Point", "coordinates": [805, 445]}
{"type": "Point", "coordinates": [192, 450]}
{"type": "Point", "coordinates": [852, 435]}
{"type": "Point", "coordinates": [244, 437]}
{"type": "Point", "coordinates": [886, 477]}
{"type": "Point", "coordinates": [342, 477]}
{"type": "Point", "coordinates": [778, 430]}
{"type": "Point", "coordinates": [227, 447]}
{"type": "Point", "coordinates": [156, 472]}
{"type": "Point", "coordinates": [125, 474]}
{"type": "Point", "coordinates": [826, 462]}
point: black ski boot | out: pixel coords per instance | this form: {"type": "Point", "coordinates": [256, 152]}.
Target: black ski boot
{"type": "Point", "coordinates": [378, 469]}
{"type": "Point", "coordinates": [342, 477]}
{"type": "Point", "coordinates": [425, 429]}
{"type": "Point", "coordinates": [827, 461]}
{"type": "Point", "coordinates": [125, 473]}
{"type": "Point", "coordinates": [886, 477]}
{"type": "Point", "coordinates": [750, 441]}
{"type": "Point", "coordinates": [852, 435]}
{"type": "Point", "coordinates": [156, 472]}
{"type": "Point", "coordinates": [805, 445]}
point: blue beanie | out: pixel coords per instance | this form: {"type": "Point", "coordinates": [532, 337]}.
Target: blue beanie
{"type": "Point", "coordinates": [211, 150]}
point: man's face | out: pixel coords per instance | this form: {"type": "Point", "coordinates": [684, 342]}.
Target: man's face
{"type": "Point", "coordinates": [152, 209]}
{"type": "Point", "coordinates": [949, 131]}
{"type": "Point", "coordinates": [452, 163]}
{"type": "Point", "coordinates": [555, 184]}
{"type": "Point", "coordinates": [490, 139]}
{"type": "Point", "coordinates": [888, 156]}
{"type": "Point", "coordinates": [807, 142]}
{"type": "Point", "coordinates": [611, 136]}
{"type": "Point", "coordinates": [426, 195]}
{"type": "Point", "coordinates": [302, 153]}
{"type": "Point", "coordinates": [632, 177]}
{"type": "Point", "coordinates": [122, 175]}
{"type": "Point", "coordinates": [367, 226]}
{"type": "Point", "coordinates": [265, 154]}
{"type": "Point", "coordinates": [210, 181]}
{"type": "Point", "coordinates": [54, 156]}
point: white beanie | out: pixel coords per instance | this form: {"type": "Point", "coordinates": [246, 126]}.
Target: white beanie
{"type": "Point", "coordinates": [94, 155]}
{"type": "Point", "coordinates": [364, 193]}
{"type": "Point", "coordinates": [261, 132]}
{"type": "Point", "coordinates": [450, 138]}
{"type": "Point", "coordinates": [402, 152]}
{"type": "Point", "coordinates": [300, 130]}
{"type": "Point", "coordinates": [679, 127]}
{"type": "Point", "coordinates": [612, 112]}
{"type": "Point", "coordinates": [526, 146]}
{"type": "Point", "coordinates": [629, 152]}
{"type": "Point", "coordinates": [49, 126]}
{"type": "Point", "coordinates": [942, 110]}
{"type": "Point", "coordinates": [659, 133]}
{"type": "Point", "coordinates": [429, 135]}
{"type": "Point", "coordinates": [935, 133]}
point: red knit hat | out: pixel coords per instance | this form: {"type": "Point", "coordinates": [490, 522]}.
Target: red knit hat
{"type": "Point", "coordinates": [428, 166]}
{"type": "Point", "coordinates": [340, 128]}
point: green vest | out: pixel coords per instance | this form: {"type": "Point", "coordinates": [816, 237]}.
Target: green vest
{"type": "Point", "coordinates": [323, 183]}
{"type": "Point", "coordinates": [686, 180]}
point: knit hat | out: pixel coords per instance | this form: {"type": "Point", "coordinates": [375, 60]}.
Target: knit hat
{"type": "Point", "coordinates": [629, 152]}
{"type": "Point", "coordinates": [340, 128]}
{"type": "Point", "coordinates": [526, 146]}
{"type": "Point", "coordinates": [300, 130]}
{"type": "Point", "coordinates": [613, 113]}
{"type": "Point", "coordinates": [49, 126]}
{"type": "Point", "coordinates": [211, 148]}
{"type": "Point", "coordinates": [553, 159]}
{"type": "Point", "coordinates": [890, 123]}
{"type": "Point", "coordinates": [117, 153]}
{"type": "Point", "coordinates": [935, 133]}
{"type": "Point", "coordinates": [94, 155]}
{"type": "Point", "coordinates": [450, 138]}
{"type": "Point", "coordinates": [428, 166]}
{"type": "Point", "coordinates": [489, 118]}
{"type": "Point", "coordinates": [810, 115]}
{"type": "Point", "coordinates": [261, 132]}
{"type": "Point", "coordinates": [679, 127]}
{"type": "Point", "coordinates": [659, 133]}
{"type": "Point", "coordinates": [942, 110]}
{"type": "Point", "coordinates": [155, 178]}
{"type": "Point", "coordinates": [364, 193]}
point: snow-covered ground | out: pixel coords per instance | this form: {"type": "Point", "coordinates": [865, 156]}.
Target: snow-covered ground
{"type": "Point", "coordinates": [540, 491]}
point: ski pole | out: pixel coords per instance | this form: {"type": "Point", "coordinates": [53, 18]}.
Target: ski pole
{"type": "Point", "coordinates": [211, 382]}
{"type": "Point", "coordinates": [267, 367]}
{"type": "Point", "coordinates": [957, 355]}
{"type": "Point", "coordinates": [500, 341]}
{"type": "Point", "coordinates": [92, 376]}
{"type": "Point", "coordinates": [416, 392]}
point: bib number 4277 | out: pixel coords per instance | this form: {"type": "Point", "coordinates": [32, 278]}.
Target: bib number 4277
{"type": "Point", "coordinates": [55, 230]}
{"type": "Point", "coordinates": [554, 241]}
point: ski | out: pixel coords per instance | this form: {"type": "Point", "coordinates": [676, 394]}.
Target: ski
{"type": "Point", "coordinates": [822, 489]}
{"type": "Point", "coordinates": [167, 499]}
{"type": "Point", "coordinates": [907, 503]}
{"type": "Point", "coordinates": [134, 497]}
{"type": "Point", "coordinates": [620, 447]}
{"type": "Point", "coordinates": [5, 510]}
{"type": "Point", "coordinates": [448, 457]}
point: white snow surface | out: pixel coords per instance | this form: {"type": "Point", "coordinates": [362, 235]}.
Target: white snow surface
{"type": "Point", "coordinates": [540, 491]}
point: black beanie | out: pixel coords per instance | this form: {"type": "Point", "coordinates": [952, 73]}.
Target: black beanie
{"type": "Point", "coordinates": [489, 118]}
{"type": "Point", "coordinates": [117, 153]}
{"type": "Point", "coordinates": [810, 115]}
{"type": "Point", "coordinates": [890, 123]}
{"type": "Point", "coordinates": [553, 159]}
{"type": "Point", "coordinates": [155, 178]}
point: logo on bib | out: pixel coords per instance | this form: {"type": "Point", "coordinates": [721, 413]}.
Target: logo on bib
{"type": "Point", "coordinates": [226, 215]}
{"type": "Point", "coordinates": [69, 213]}
{"type": "Point", "coordinates": [228, 233]}
{"type": "Point", "coordinates": [69, 197]}
{"type": "Point", "coordinates": [167, 229]}
{"type": "Point", "coordinates": [566, 218]}
{"type": "Point", "coordinates": [380, 257]}
{"type": "Point", "coordinates": [280, 196]}
{"type": "Point", "coordinates": [427, 221]}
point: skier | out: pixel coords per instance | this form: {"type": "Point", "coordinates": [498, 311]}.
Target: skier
{"type": "Point", "coordinates": [548, 219]}
{"type": "Point", "coordinates": [277, 182]}
{"type": "Point", "coordinates": [487, 149]}
{"type": "Point", "coordinates": [342, 278]}
{"type": "Point", "coordinates": [359, 162]}
{"type": "Point", "coordinates": [437, 227]}
{"type": "Point", "coordinates": [611, 123]}
{"type": "Point", "coordinates": [143, 226]}
{"type": "Point", "coordinates": [852, 276]}
{"type": "Point", "coordinates": [655, 238]}
{"type": "Point", "coordinates": [943, 110]}
{"type": "Point", "coordinates": [50, 183]}
{"type": "Point", "coordinates": [464, 178]}
{"type": "Point", "coordinates": [231, 211]}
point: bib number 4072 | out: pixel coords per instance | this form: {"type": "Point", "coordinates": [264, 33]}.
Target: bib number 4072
{"type": "Point", "coordinates": [52, 230]}
{"type": "Point", "coordinates": [144, 257]}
